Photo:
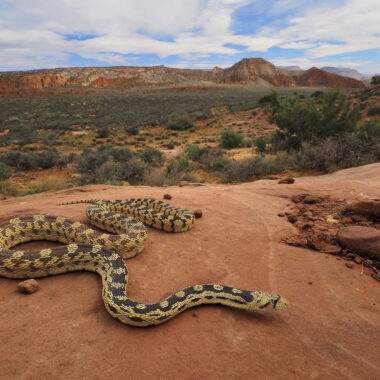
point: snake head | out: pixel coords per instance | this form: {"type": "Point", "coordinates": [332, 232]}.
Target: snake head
{"type": "Point", "coordinates": [269, 301]}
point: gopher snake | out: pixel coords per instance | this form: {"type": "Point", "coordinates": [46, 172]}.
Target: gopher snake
{"type": "Point", "coordinates": [96, 252]}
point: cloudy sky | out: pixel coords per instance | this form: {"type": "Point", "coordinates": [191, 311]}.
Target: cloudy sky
{"type": "Point", "coordinates": [189, 33]}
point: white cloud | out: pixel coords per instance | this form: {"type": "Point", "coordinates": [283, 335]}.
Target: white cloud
{"type": "Point", "coordinates": [32, 33]}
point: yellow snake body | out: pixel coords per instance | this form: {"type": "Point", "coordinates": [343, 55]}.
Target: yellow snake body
{"type": "Point", "coordinates": [103, 253]}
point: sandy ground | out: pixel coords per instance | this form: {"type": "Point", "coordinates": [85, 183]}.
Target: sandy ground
{"type": "Point", "coordinates": [331, 329]}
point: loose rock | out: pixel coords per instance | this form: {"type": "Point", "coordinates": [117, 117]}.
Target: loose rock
{"type": "Point", "coordinates": [167, 196]}
{"type": "Point", "coordinates": [198, 213]}
{"type": "Point", "coordinates": [362, 240]}
{"type": "Point", "coordinates": [365, 207]}
{"type": "Point", "coordinates": [288, 180]}
{"type": "Point", "coordinates": [292, 218]}
{"type": "Point", "coordinates": [28, 286]}
{"type": "Point", "coordinates": [349, 265]}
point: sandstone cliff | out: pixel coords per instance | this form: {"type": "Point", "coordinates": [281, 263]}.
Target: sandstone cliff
{"type": "Point", "coordinates": [251, 71]}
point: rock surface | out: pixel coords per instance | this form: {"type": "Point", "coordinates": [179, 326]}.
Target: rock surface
{"type": "Point", "coordinates": [331, 329]}
{"type": "Point", "coordinates": [363, 240]}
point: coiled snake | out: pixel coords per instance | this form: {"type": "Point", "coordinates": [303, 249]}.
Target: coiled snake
{"type": "Point", "coordinates": [93, 251]}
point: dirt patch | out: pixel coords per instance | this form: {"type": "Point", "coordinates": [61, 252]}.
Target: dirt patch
{"type": "Point", "coordinates": [318, 220]}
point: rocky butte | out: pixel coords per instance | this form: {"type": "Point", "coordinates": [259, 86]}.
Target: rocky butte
{"type": "Point", "coordinates": [249, 71]}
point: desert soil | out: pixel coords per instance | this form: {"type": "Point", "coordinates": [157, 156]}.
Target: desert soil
{"type": "Point", "coordinates": [331, 329]}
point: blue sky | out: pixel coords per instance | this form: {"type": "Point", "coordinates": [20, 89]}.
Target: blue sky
{"type": "Point", "coordinates": [189, 33]}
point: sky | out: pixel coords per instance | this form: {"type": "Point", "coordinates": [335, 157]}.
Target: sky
{"type": "Point", "coordinates": [197, 34]}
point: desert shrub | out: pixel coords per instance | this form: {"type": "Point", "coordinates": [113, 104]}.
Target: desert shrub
{"type": "Point", "coordinates": [181, 164]}
{"type": "Point", "coordinates": [298, 120]}
{"type": "Point", "coordinates": [369, 130]}
{"type": "Point", "coordinates": [243, 170]}
{"type": "Point", "coordinates": [132, 130]}
{"type": "Point", "coordinates": [261, 144]}
{"type": "Point", "coordinates": [5, 171]}
{"type": "Point", "coordinates": [201, 115]}
{"type": "Point", "coordinates": [373, 109]}
{"type": "Point", "coordinates": [18, 160]}
{"type": "Point", "coordinates": [317, 94]}
{"type": "Point", "coordinates": [375, 80]}
{"type": "Point", "coordinates": [47, 158]}
{"type": "Point", "coordinates": [169, 145]}
{"type": "Point", "coordinates": [272, 99]}
{"type": "Point", "coordinates": [103, 132]}
{"type": "Point", "coordinates": [7, 188]}
{"type": "Point", "coordinates": [336, 153]}
{"type": "Point", "coordinates": [162, 177]}
{"type": "Point", "coordinates": [179, 121]}
{"type": "Point", "coordinates": [230, 139]}
{"type": "Point", "coordinates": [152, 156]}
{"type": "Point", "coordinates": [194, 152]}
{"type": "Point", "coordinates": [213, 159]}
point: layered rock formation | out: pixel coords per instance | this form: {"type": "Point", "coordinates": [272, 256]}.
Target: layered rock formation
{"type": "Point", "coordinates": [252, 71]}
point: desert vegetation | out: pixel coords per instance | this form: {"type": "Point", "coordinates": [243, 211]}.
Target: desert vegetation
{"type": "Point", "coordinates": [163, 138]}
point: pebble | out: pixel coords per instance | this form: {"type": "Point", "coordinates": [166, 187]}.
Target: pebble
{"type": "Point", "coordinates": [198, 213]}
{"type": "Point", "coordinates": [292, 218]}
{"type": "Point", "coordinates": [28, 286]}
{"type": "Point", "coordinates": [167, 196]}
{"type": "Point", "coordinates": [349, 265]}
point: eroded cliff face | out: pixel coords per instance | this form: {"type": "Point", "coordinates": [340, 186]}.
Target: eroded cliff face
{"type": "Point", "coordinates": [251, 71]}
{"type": "Point", "coordinates": [315, 77]}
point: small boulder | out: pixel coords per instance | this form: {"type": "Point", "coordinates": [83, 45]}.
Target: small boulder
{"type": "Point", "coordinates": [288, 180]}
{"type": "Point", "coordinates": [362, 240]}
{"type": "Point", "coordinates": [28, 286]}
{"type": "Point", "coordinates": [365, 207]}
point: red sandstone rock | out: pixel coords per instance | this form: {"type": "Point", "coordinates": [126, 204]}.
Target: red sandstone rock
{"type": "Point", "coordinates": [365, 207]}
{"type": "Point", "coordinates": [288, 180]}
{"type": "Point", "coordinates": [167, 196]}
{"type": "Point", "coordinates": [363, 240]}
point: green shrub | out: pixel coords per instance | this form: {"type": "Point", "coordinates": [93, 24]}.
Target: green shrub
{"type": "Point", "coordinates": [230, 138]}
{"type": "Point", "coordinates": [375, 80]}
{"type": "Point", "coordinates": [169, 145]}
{"type": "Point", "coordinates": [179, 121]}
{"type": "Point", "coordinates": [132, 130]}
{"type": "Point", "coordinates": [181, 164]}
{"type": "Point", "coordinates": [243, 170]}
{"type": "Point", "coordinates": [373, 109]}
{"type": "Point", "coordinates": [260, 144]}
{"type": "Point", "coordinates": [5, 171]}
{"type": "Point", "coordinates": [103, 132]}
{"type": "Point", "coordinates": [298, 120]}
{"type": "Point", "coordinates": [369, 130]}
{"type": "Point", "coordinates": [151, 156]}
{"type": "Point", "coordinates": [336, 153]}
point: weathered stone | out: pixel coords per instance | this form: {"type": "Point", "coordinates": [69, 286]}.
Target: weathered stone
{"type": "Point", "coordinates": [28, 286]}
{"type": "Point", "coordinates": [292, 218]}
{"type": "Point", "coordinates": [365, 207]}
{"type": "Point", "coordinates": [167, 196]}
{"type": "Point", "coordinates": [311, 199]}
{"type": "Point", "coordinates": [362, 240]}
{"type": "Point", "coordinates": [359, 218]}
{"type": "Point", "coordinates": [288, 180]}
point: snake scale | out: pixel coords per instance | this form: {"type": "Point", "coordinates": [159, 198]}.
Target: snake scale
{"type": "Point", "coordinates": [103, 253]}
